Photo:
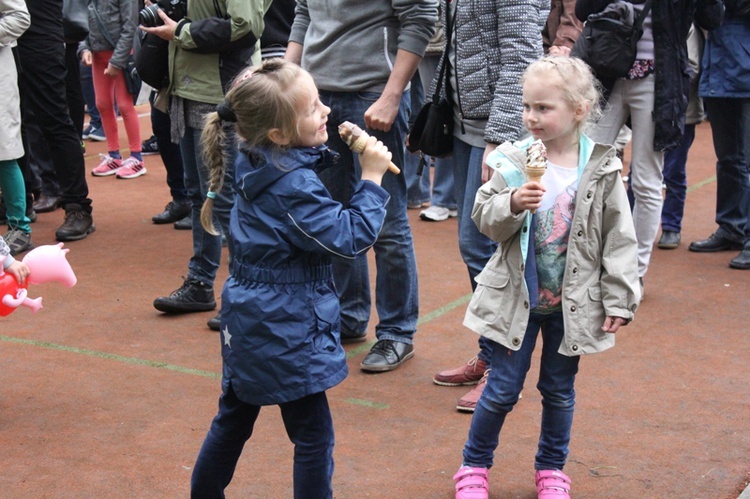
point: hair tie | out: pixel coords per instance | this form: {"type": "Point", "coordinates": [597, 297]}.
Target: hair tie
{"type": "Point", "coordinates": [224, 110]}
{"type": "Point", "coordinates": [211, 195]}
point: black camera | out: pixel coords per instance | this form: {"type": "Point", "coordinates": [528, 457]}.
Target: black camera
{"type": "Point", "coordinates": [174, 9]}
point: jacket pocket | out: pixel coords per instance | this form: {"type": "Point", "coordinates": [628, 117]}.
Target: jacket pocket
{"type": "Point", "coordinates": [490, 297]}
{"type": "Point", "coordinates": [327, 317]}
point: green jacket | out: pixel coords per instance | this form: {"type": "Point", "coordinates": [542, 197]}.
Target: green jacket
{"type": "Point", "coordinates": [601, 269]}
{"type": "Point", "coordinates": [216, 40]}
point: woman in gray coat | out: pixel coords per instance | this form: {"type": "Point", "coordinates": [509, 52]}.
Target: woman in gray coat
{"type": "Point", "coordinates": [14, 20]}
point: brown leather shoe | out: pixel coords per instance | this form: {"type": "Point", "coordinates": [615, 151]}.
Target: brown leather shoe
{"type": "Point", "coordinates": [77, 225]}
{"type": "Point", "coordinates": [45, 203]}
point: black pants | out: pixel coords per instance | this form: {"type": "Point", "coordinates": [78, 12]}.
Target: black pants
{"type": "Point", "coordinates": [169, 152]}
{"type": "Point", "coordinates": [42, 84]}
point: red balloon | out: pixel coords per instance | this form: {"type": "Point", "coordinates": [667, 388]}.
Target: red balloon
{"type": "Point", "coordinates": [8, 286]}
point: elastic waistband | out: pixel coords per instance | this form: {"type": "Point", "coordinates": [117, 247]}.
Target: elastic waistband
{"type": "Point", "coordinates": [281, 276]}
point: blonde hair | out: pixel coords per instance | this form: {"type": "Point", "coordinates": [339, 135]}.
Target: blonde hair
{"type": "Point", "coordinates": [261, 98]}
{"type": "Point", "coordinates": [576, 81]}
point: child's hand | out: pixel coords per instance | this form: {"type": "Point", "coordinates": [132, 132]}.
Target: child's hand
{"type": "Point", "coordinates": [19, 270]}
{"type": "Point", "coordinates": [375, 160]}
{"type": "Point", "coordinates": [612, 324]}
{"type": "Point", "coordinates": [527, 197]}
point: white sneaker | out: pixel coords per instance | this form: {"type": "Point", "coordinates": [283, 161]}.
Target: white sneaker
{"type": "Point", "coordinates": [437, 214]}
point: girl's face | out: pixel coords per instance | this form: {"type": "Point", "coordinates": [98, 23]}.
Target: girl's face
{"type": "Point", "coordinates": [547, 115]}
{"type": "Point", "coordinates": [312, 115]}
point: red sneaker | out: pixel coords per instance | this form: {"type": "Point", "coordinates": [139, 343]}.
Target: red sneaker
{"type": "Point", "coordinates": [468, 374]}
{"type": "Point", "coordinates": [468, 402]}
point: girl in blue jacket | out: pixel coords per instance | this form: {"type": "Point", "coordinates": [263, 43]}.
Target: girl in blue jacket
{"type": "Point", "coordinates": [280, 311]}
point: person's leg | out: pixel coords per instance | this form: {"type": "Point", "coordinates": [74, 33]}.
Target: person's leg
{"type": "Point", "coordinates": [442, 185]}
{"type": "Point", "coordinates": [557, 374]}
{"type": "Point", "coordinates": [416, 172]}
{"type": "Point", "coordinates": [309, 425]}
{"type": "Point", "coordinates": [675, 178]}
{"type": "Point", "coordinates": [170, 155]}
{"type": "Point", "coordinates": [730, 126]}
{"type": "Point", "coordinates": [89, 96]}
{"type": "Point", "coordinates": [42, 80]}
{"type": "Point", "coordinates": [73, 91]}
{"type": "Point", "coordinates": [221, 449]}
{"type": "Point", "coordinates": [476, 248]}
{"type": "Point", "coordinates": [504, 385]}
{"type": "Point", "coordinates": [104, 86]}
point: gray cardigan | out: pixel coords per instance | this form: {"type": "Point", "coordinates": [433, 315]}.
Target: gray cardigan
{"type": "Point", "coordinates": [120, 18]}
{"type": "Point", "coordinates": [351, 46]}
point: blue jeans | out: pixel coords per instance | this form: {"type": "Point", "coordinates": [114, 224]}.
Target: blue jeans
{"type": "Point", "coordinates": [675, 177]}
{"type": "Point", "coordinates": [206, 248]}
{"type": "Point", "coordinates": [730, 127]}
{"type": "Point", "coordinates": [557, 374]}
{"type": "Point", "coordinates": [87, 87]}
{"type": "Point", "coordinates": [309, 426]}
{"type": "Point", "coordinates": [476, 248]}
{"type": "Point", "coordinates": [396, 293]}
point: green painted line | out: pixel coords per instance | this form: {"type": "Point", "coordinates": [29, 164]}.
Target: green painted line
{"type": "Point", "coordinates": [110, 356]}
{"type": "Point", "coordinates": [367, 403]}
{"type": "Point", "coordinates": [422, 320]}
{"type": "Point", "coordinates": [700, 184]}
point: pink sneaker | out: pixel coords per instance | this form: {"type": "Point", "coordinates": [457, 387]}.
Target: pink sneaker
{"type": "Point", "coordinates": [468, 374]}
{"type": "Point", "coordinates": [107, 166]}
{"type": "Point", "coordinates": [468, 402]}
{"type": "Point", "coordinates": [131, 168]}
{"type": "Point", "coordinates": [552, 484]}
{"type": "Point", "coordinates": [471, 483]}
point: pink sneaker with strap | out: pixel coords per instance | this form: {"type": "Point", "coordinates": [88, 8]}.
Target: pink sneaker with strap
{"type": "Point", "coordinates": [131, 168]}
{"type": "Point", "coordinates": [107, 166]}
{"type": "Point", "coordinates": [471, 483]}
{"type": "Point", "coordinates": [552, 484]}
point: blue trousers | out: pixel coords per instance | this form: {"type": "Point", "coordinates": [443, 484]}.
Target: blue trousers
{"type": "Point", "coordinates": [308, 424]}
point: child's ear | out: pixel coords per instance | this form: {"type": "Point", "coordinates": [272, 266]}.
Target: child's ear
{"type": "Point", "coordinates": [582, 111]}
{"type": "Point", "coordinates": [278, 137]}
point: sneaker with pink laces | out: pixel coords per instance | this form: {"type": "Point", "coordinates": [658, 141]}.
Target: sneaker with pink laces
{"type": "Point", "coordinates": [468, 374]}
{"type": "Point", "coordinates": [468, 402]}
{"type": "Point", "coordinates": [131, 168]}
{"type": "Point", "coordinates": [471, 483]}
{"type": "Point", "coordinates": [552, 484]}
{"type": "Point", "coordinates": [107, 166]}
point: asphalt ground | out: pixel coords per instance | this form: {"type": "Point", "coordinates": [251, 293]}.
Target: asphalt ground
{"type": "Point", "coordinates": [103, 396]}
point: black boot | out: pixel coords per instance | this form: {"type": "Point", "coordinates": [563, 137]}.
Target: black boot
{"type": "Point", "coordinates": [192, 296]}
{"type": "Point", "coordinates": [174, 211]}
{"type": "Point", "coordinates": [77, 225]}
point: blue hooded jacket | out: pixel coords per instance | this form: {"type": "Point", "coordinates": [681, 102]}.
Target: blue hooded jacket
{"type": "Point", "coordinates": [280, 312]}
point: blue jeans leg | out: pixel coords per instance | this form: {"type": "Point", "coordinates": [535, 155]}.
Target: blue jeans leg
{"type": "Point", "coordinates": [442, 184]}
{"type": "Point", "coordinates": [206, 248]}
{"type": "Point", "coordinates": [675, 177]}
{"type": "Point", "coordinates": [396, 293]}
{"type": "Point", "coordinates": [309, 425]}
{"type": "Point", "coordinates": [476, 248]}
{"type": "Point", "coordinates": [417, 183]}
{"type": "Point", "coordinates": [89, 97]}
{"type": "Point", "coordinates": [504, 385]}
{"type": "Point", "coordinates": [730, 127]}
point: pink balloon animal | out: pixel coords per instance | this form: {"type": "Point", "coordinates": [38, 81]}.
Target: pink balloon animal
{"type": "Point", "coordinates": [46, 264]}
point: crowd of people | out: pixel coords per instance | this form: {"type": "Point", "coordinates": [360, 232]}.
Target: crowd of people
{"type": "Point", "coordinates": [247, 129]}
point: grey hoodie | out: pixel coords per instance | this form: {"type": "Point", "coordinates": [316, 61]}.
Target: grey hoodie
{"type": "Point", "coordinates": [350, 45]}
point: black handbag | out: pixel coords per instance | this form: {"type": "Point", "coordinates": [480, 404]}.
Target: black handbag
{"type": "Point", "coordinates": [152, 60]}
{"type": "Point", "coordinates": [132, 78]}
{"type": "Point", "coordinates": [431, 132]}
{"type": "Point", "coordinates": [608, 45]}
{"type": "Point", "coordinates": [75, 20]}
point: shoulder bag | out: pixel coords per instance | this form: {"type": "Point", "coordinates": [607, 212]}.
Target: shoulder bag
{"type": "Point", "coordinates": [432, 130]}
{"type": "Point", "coordinates": [608, 43]}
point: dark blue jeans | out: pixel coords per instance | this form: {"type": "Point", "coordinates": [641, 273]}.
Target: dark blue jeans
{"type": "Point", "coordinates": [730, 127]}
{"type": "Point", "coordinates": [557, 374]}
{"type": "Point", "coordinates": [207, 248]}
{"type": "Point", "coordinates": [675, 178]}
{"type": "Point", "coordinates": [396, 294]}
{"type": "Point", "coordinates": [309, 426]}
{"type": "Point", "coordinates": [169, 152]}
